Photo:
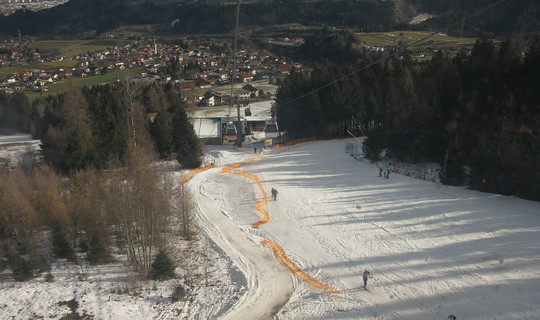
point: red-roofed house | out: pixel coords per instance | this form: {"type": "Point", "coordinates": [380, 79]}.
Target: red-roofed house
{"type": "Point", "coordinates": [246, 77]}
{"type": "Point", "coordinates": [284, 68]}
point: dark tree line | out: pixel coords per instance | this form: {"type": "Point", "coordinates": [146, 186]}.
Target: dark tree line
{"type": "Point", "coordinates": [15, 113]}
{"type": "Point", "coordinates": [93, 127]}
{"type": "Point", "coordinates": [77, 17]}
{"type": "Point", "coordinates": [477, 113]}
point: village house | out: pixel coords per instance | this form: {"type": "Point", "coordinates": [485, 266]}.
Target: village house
{"type": "Point", "coordinates": [211, 98]}
{"type": "Point", "coordinates": [245, 77]}
{"type": "Point", "coordinates": [242, 94]}
{"type": "Point", "coordinates": [253, 92]}
{"type": "Point", "coordinates": [203, 83]}
{"type": "Point", "coordinates": [199, 63]}
{"type": "Point", "coordinates": [283, 68]}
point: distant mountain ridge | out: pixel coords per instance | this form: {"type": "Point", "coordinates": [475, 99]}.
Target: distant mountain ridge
{"type": "Point", "coordinates": [77, 17]}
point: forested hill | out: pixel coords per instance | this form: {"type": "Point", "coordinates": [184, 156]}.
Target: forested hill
{"type": "Point", "coordinates": [477, 113]}
{"type": "Point", "coordinates": [517, 18]}
{"type": "Point", "coordinates": [76, 17]}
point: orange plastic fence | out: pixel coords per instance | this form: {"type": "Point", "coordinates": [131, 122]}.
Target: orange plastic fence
{"type": "Point", "coordinates": [190, 174]}
{"type": "Point", "coordinates": [289, 144]}
{"type": "Point", "coordinates": [293, 267]}
{"type": "Point", "coordinates": [259, 204]}
{"type": "Point", "coordinates": [278, 250]}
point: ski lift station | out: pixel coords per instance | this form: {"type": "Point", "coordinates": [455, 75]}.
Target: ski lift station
{"type": "Point", "coordinates": [219, 131]}
{"type": "Point", "coordinates": [215, 126]}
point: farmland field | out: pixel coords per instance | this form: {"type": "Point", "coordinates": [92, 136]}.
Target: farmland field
{"type": "Point", "coordinates": [437, 41]}
{"type": "Point", "coordinates": [74, 47]}
{"type": "Point", "coordinates": [60, 87]}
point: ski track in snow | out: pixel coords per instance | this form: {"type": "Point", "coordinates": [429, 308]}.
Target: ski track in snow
{"type": "Point", "coordinates": [267, 286]}
{"type": "Point", "coordinates": [433, 250]}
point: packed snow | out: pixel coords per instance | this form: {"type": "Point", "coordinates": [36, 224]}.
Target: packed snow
{"type": "Point", "coordinates": [16, 148]}
{"type": "Point", "coordinates": [433, 250]}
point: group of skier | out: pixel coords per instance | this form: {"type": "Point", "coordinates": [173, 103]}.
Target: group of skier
{"type": "Point", "coordinates": [386, 173]}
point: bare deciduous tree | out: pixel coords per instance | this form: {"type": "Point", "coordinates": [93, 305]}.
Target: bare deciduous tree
{"type": "Point", "coordinates": [18, 225]}
{"type": "Point", "coordinates": [87, 210]}
{"type": "Point", "coordinates": [140, 208]}
{"type": "Point", "coordinates": [186, 212]}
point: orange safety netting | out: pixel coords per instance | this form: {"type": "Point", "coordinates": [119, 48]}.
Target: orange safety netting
{"type": "Point", "coordinates": [190, 174]}
{"type": "Point", "coordinates": [293, 267]}
{"type": "Point", "coordinates": [278, 250]}
{"type": "Point", "coordinates": [289, 144]}
{"type": "Point", "coordinates": [259, 204]}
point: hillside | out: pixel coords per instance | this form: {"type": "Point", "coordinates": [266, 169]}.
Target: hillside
{"type": "Point", "coordinates": [433, 250]}
{"type": "Point", "coordinates": [84, 18]}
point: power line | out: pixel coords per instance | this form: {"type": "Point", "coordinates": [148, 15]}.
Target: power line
{"type": "Point", "coordinates": [382, 59]}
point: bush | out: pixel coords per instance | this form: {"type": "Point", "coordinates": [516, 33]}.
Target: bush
{"type": "Point", "coordinates": [49, 277]}
{"type": "Point", "coordinates": [61, 245]}
{"type": "Point", "coordinates": [97, 251]}
{"type": "Point", "coordinates": [22, 268]}
{"type": "Point", "coordinates": [179, 293]}
{"type": "Point", "coordinates": [162, 267]}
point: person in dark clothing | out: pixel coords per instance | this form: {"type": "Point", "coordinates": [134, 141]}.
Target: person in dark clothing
{"type": "Point", "coordinates": [452, 317]}
{"type": "Point", "coordinates": [274, 194]}
{"type": "Point", "coordinates": [380, 172]}
{"type": "Point", "coordinates": [365, 277]}
{"type": "Point", "coordinates": [254, 149]}
{"type": "Point", "coordinates": [387, 173]}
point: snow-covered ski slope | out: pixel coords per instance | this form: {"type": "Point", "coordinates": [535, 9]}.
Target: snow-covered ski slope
{"type": "Point", "coordinates": [433, 250]}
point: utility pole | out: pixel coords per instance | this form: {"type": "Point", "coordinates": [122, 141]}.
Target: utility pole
{"type": "Point", "coordinates": [239, 126]}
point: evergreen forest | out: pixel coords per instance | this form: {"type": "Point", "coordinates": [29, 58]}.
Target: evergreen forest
{"type": "Point", "coordinates": [476, 113]}
{"type": "Point", "coordinates": [93, 127]}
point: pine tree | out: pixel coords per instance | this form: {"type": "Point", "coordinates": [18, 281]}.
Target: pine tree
{"type": "Point", "coordinates": [162, 267]}
{"type": "Point", "coordinates": [186, 145]}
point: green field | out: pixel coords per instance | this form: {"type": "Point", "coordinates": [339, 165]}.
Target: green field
{"type": "Point", "coordinates": [74, 47]}
{"type": "Point", "coordinates": [62, 47]}
{"type": "Point", "coordinates": [60, 87]}
{"type": "Point", "coordinates": [436, 41]}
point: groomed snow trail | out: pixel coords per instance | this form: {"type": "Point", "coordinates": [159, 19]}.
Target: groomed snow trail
{"type": "Point", "coordinates": [432, 250]}
{"type": "Point", "coordinates": [268, 286]}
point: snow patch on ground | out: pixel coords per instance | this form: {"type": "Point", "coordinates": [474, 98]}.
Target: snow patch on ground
{"type": "Point", "coordinates": [17, 148]}
{"type": "Point", "coordinates": [433, 250]}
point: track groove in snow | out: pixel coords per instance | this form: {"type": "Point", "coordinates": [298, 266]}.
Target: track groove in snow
{"type": "Point", "coordinates": [433, 250]}
{"type": "Point", "coordinates": [267, 285]}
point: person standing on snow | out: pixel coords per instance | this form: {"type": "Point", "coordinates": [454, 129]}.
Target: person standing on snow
{"type": "Point", "coordinates": [380, 172]}
{"type": "Point", "coordinates": [274, 194]}
{"type": "Point", "coordinates": [387, 173]}
{"type": "Point", "coordinates": [365, 277]}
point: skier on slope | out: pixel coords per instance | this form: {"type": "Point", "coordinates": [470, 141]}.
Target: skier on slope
{"type": "Point", "coordinates": [365, 277]}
